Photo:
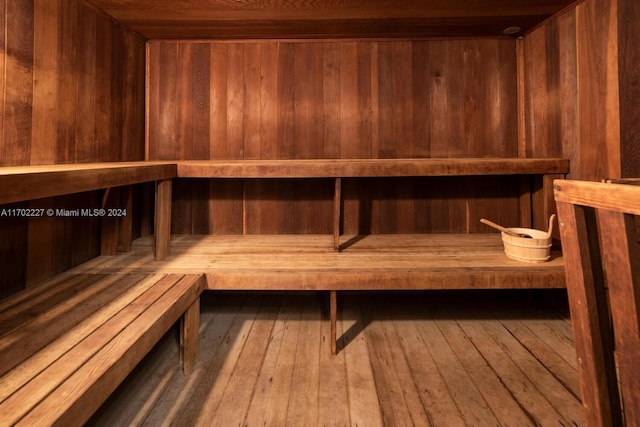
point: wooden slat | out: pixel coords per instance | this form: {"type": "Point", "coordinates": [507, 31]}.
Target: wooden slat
{"type": "Point", "coordinates": [277, 262]}
{"type": "Point", "coordinates": [237, 391]}
{"type": "Point", "coordinates": [329, 19]}
{"type": "Point", "coordinates": [628, 70]}
{"type": "Point", "coordinates": [34, 182]}
{"type": "Point", "coordinates": [261, 399]}
{"type": "Point", "coordinates": [24, 399]}
{"type": "Point", "coordinates": [30, 305]}
{"type": "Point", "coordinates": [438, 399]}
{"type": "Point", "coordinates": [190, 337]}
{"type": "Point", "coordinates": [621, 260]}
{"type": "Point", "coordinates": [17, 111]}
{"type": "Point", "coordinates": [337, 213]}
{"type": "Point", "coordinates": [363, 403]}
{"type": "Point", "coordinates": [17, 378]}
{"type": "Point", "coordinates": [332, 168]}
{"type": "Point", "coordinates": [592, 328]}
{"type": "Point", "coordinates": [497, 395]}
{"type": "Point", "coordinates": [31, 336]}
{"type": "Point", "coordinates": [619, 197]}
{"type": "Point", "coordinates": [162, 223]}
{"type": "Point", "coordinates": [348, 388]}
{"type": "Point", "coordinates": [410, 388]}
{"type": "Point", "coordinates": [220, 369]}
{"type": "Point", "coordinates": [333, 311]}
{"type": "Point", "coordinates": [77, 399]}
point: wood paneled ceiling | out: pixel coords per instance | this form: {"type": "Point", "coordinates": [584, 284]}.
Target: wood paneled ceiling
{"type": "Point", "coordinates": [251, 19]}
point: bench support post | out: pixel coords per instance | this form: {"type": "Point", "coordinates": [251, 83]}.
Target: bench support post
{"type": "Point", "coordinates": [337, 213]}
{"type": "Point", "coordinates": [333, 305]}
{"type": "Point", "coordinates": [163, 219]}
{"type": "Point", "coordinates": [189, 337]}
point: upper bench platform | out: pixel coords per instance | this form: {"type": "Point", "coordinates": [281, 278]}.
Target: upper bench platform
{"type": "Point", "coordinates": [34, 182]}
{"type": "Point", "coordinates": [21, 183]}
{"type": "Point", "coordinates": [345, 168]}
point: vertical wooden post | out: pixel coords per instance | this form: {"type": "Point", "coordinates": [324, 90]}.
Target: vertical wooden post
{"type": "Point", "coordinates": [526, 218]}
{"type": "Point", "coordinates": [146, 209]}
{"type": "Point", "coordinates": [337, 213]}
{"type": "Point", "coordinates": [543, 202]}
{"type": "Point", "coordinates": [521, 98]}
{"type": "Point", "coordinates": [333, 308]}
{"type": "Point", "coordinates": [109, 233]}
{"type": "Point", "coordinates": [125, 219]}
{"type": "Point", "coordinates": [621, 260]}
{"type": "Point", "coordinates": [163, 219]}
{"type": "Point", "coordinates": [190, 337]}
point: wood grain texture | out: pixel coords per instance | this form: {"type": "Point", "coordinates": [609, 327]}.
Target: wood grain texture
{"type": "Point", "coordinates": [600, 241]}
{"type": "Point", "coordinates": [162, 224]}
{"type": "Point", "coordinates": [72, 92]}
{"type": "Point", "coordinates": [361, 168]}
{"type": "Point", "coordinates": [35, 182]}
{"type": "Point", "coordinates": [322, 92]}
{"type": "Point", "coordinates": [629, 83]}
{"type": "Point", "coordinates": [329, 100]}
{"type": "Point", "coordinates": [329, 19]}
{"type": "Point", "coordinates": [572, 75]}
{"type": "Point", "coordinates": [439, 344]}
{"type": "Point", "coordinates": [309, 262]}
{"type": "Point", "coordinates": [94, 330]}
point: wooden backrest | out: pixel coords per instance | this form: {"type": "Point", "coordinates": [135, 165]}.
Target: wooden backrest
{"type": "Point", "coordinates": [600, 245]}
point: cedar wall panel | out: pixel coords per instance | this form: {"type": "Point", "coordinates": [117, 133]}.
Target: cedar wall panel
{"type": "Point", "coordinates": [73, 92]}
{"type": "Point", "coordinates": [572, 90]}
{"type": "Point", "coordinates": [335, 99]}
{"type": "Point", "coordinates": [629, 72]}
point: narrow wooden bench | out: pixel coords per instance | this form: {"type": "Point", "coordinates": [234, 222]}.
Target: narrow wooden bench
{"type": "Point", "coordinates": [25, 183]}
{"type": "Point", "coordinates": [66, 344]}
{"type": "Point", "coordinates": [546, 169]}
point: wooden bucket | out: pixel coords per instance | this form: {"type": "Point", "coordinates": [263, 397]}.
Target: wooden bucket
{"type": "Point", "coordinates": [528, 249]}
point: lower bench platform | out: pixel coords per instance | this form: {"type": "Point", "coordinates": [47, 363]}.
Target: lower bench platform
{"type": "Point", "coordinates": [68, 343]}
{"type": "Point", "coordinates": [367, 262]}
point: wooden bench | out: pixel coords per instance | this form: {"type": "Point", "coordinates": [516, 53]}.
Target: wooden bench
{"type": "Point", "coordinates": [66, 344]}
{"type": "Point", "coordinates": [600, 239]}
{"type": "Point", "coordinates": [26, 183]}
{"type": "Point", "coordinates": [23, 183]}
{"type": "Point", "coordinates": [338, 169]}
{"type": "Point", "coordinates": [547, 169]}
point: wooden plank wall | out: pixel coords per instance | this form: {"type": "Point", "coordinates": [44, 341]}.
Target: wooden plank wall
{"type": "Point", "coordinates": [335, 99]}
{"type": "Point", "coordinates": [572, 90]}
{"type": "Point", "coordinates": [73, 92]}
{"type": "Point", "coordinates": [629, 76]}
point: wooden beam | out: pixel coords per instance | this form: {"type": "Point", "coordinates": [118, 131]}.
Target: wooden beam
{"type": "Point", "coordinates": [620, 197]}
{"type": "Point", "coordinates": [190, 337]}
{"type": "Point", "coordinates": [335, 168]}
{"type": "Point", "coordinates": [35, 182]}
{"type": "Point", "coordinates": [333, 308]}
{"type": "Point", "coordinates": [337, 213]}
{"type": "Point", "coordinates": [163, 220]}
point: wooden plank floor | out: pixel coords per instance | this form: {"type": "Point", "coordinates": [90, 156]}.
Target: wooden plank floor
{"type": "Point", "coordinates": [444, 358]}
{"type": "Point", "coordinates": [295, 262]}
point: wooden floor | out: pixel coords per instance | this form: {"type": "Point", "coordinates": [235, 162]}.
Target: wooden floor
{"type": "Point", "coordinates": [445, 358]}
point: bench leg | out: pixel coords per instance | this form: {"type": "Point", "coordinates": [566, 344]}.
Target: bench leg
{"type": "Point", "coordinates": [337, 213]}
{"type": "Point", "coordinates": [163, 220]}
{"type": "Point", "coordinates": [190, 337]}
{"type": "Point", "coordinates": [333, 305]}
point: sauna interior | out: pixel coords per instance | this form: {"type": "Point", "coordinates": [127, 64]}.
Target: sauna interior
{"type": "Point", "coordinates": [276, 82]}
